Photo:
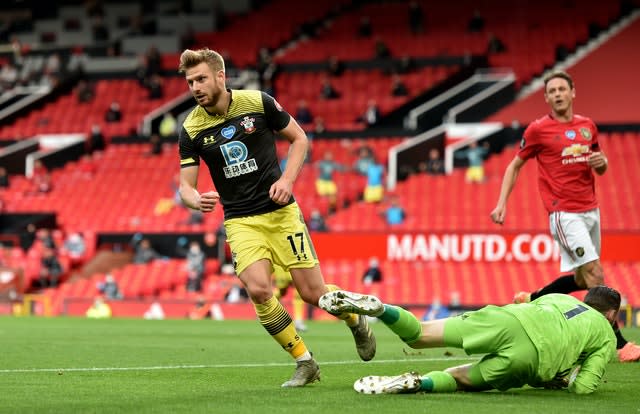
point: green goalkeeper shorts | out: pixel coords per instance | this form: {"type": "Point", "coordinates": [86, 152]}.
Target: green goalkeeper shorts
{"type": "Point", "coordinates": [511, 359]}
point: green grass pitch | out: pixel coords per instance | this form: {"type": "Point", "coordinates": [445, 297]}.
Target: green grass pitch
{"type": "Point", "coordinates": [75, 365]}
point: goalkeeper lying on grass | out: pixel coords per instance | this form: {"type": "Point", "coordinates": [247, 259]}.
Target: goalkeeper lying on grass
{"type": "Point", "coordinates": [555, 341]}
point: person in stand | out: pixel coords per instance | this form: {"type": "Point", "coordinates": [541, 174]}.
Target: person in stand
{"type": "Point", "coordinates": [75, 248]}
{"type": "Point", "coordinates": [99, 309]}
{"type": "Point", "coordinates": [335, 67]}
{"type": "Point", "coordinates": [144, 252]}
{"type": "Point", "coordinates": [234, 132]}
{"type": "Point", "coordinates": [303, 113]}
{"type": "Point", "coordinates": [364, 28]}
{"type": "Point", "coordinates": [372, 274]}
{"type": "Point", "coordinates": [168, 126]}
{"type": "Point", "coordinates": [371, 114]}
{"type": "Point", "coordinates": [51, 269]}
{"type": "Point", "coordinates": [4, 178]}
{"type": "Point", "coordinates": [326, 185]}
{"type": "Point", "coordinates": [398, 87]}
{"type": "Point", "coordinates": [41, 177]}
{"type": "Point", "coordinates": [566, 148]}
{"type": "Point", "coordinates": [495, 45]}
{"type": "Point", "coordinates": [155, 146]}
{"type": "Point", "coordinates": [434, 164]}
{"type": "Point", "coordinates": [84, 91]}
{"type": "Point", "coordinates": [109, 288]}
{"type": "Point", "coordinates": [327, 91]}
{"type": "Point", "coordinates": [394, 214]}
{"type": "Point", "coordinates": [195, 266]}
{"type": "Point", "coordinates": [155, 87]}
{"type": "Point", "coordinates": [476, 23]}
{"type": "Point", "coordinates": [475, 156]}
{"type": "Point", "coordinates": [96, 139]}
{"type": "Point", "coordinates": [114, 113]}
{"type": "Point", "coordinates": [374, 187]}
{"type": "Point", "coordinates": [416, 18]}
{"type": "Point", "coordinates": [364, 158]}
{"type": "Point", "coordinates": [317, 221]}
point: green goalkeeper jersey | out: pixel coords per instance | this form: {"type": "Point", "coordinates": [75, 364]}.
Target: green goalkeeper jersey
{"type": "Point", "coordinates": [567, 332]}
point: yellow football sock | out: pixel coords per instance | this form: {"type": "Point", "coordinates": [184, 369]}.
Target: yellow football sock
{"type": "Point", "coordinates": [351, 319]}
{"type": "Point", "coordinates": [275, 319]}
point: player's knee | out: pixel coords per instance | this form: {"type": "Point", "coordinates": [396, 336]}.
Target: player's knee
{"type": "Point", "coordinates": [310, 296]}
{"type": "Point", "coordinates": [259, 293]}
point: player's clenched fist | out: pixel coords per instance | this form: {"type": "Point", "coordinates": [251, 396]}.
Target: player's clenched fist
{"type": "Point", "coordinates": [498, 215]}
{"type": "Point", "coordinates": [208, 201]}
{"type": "Point", "coordinates": [280, 191]}
{"type": "Point", "coordinates": [597, 160]}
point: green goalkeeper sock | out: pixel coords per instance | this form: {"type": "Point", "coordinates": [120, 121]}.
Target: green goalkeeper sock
{"type": "Point", "coordinates": [438, 381]}
{"type": "Point", "coordinates": [402, 322]}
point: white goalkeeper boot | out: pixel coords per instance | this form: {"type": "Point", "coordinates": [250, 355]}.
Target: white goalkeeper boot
{"type": "Point", "coordinates": [400, 384]}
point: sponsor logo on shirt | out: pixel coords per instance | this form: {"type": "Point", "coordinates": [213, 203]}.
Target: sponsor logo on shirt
{"type": "Point", "coordinates": [576, 150]}
{"type": "Point", "coordinates": [210, 140]}
{"type": "Point", "coordinates": [236, 157]}
{"type": "Point", "coordinates": [571, 134]}
{"type": "Point", "coordinates": [228, 132]}
{"type": "Point", "coordinates": [576, 153]}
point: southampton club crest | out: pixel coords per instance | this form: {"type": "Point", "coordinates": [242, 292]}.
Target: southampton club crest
{"type": "Point", "coordinates": [247, 124]}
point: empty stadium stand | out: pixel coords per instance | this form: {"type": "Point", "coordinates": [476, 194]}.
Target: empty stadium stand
{"type": "Point", "coordinates": [356, 87]}
{"type": "Point", "coordinates": [67, 115]}
{"type": "Point", "coordinates": [110, 199]}
{"type": "Point", "coordinates": [128, 191]}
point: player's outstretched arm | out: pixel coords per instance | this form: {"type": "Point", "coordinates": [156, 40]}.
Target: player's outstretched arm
{"type": "Point", "coordinates": [508, 182]}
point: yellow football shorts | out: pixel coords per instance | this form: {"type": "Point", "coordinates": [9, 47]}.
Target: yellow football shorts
{"type": "Point", "coordinates": [279, 236]}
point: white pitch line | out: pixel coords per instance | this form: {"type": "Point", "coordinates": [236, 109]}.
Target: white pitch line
{"type": "Point", "coordinates": [214, 366]}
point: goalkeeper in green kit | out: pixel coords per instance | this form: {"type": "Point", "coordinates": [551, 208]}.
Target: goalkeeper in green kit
{"type": "Point", "coordinates": [555, 341]}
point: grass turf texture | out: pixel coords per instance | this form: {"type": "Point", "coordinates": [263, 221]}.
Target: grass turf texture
{"type": "Point", "coordinates": [69, 365]}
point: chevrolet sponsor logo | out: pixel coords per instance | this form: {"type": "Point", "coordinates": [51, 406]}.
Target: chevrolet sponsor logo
{"type": "Point", "coordinates": [575, 150]}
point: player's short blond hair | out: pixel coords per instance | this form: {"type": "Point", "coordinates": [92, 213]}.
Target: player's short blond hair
{"type": "Point", "coordinates": [190, 58]}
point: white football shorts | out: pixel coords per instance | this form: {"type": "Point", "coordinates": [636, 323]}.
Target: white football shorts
{"type": "Point", "coordinates": [578, 235]}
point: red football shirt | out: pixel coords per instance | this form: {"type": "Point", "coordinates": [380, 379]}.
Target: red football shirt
{"type": "Point", "coordinates": [565, 179]}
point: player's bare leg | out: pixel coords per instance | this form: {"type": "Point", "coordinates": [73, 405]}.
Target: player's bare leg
{"type": "Point", "coordinates": [311, 286]}
{"type": "Point", "coordinates": [278, 323]}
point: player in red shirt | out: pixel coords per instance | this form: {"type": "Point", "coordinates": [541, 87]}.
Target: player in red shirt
{"type": "Point", "coordinates": [567, 151]}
